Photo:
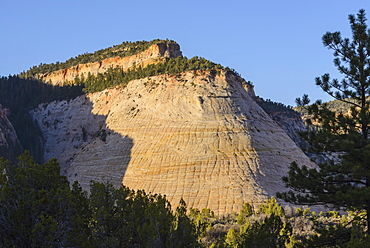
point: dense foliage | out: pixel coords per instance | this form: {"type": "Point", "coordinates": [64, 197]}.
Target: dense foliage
{"type": "Point", "coordinates": [39, 209]}
{"type": "Point", "coordinates": [266, 227]}
{"type": "Point", "coordinates": [116, 76]}
{"type": "Point", "coordinates": [342, 182]}
{"type": "Point", "coordinates": [123, 50]}
{"type": "Point", "coordinates": [20, 96]}
{"type": "Point", "coordinates": [271, 225]}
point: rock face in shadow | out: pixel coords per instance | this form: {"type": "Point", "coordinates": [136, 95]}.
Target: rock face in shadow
{"type": "Point", "coordinates": [197, 136]}
{"type": "Point", "coordinates": [292, 123]}
{"type": "Point", "coordinates": [10, 146]}
{"type": "Point", "coordinates": [75, 133]}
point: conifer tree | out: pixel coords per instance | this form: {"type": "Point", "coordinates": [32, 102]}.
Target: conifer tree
{"type": "Point", "coordinates": [35, 204]}
{"type": "Point", "coordinates": [342, 182]}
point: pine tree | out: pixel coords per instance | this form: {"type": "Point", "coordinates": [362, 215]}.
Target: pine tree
{"type": "Point", "coordinates": [35, 204]}
{"type": "Point", "coordinates": [184, 232]}
{"type": "Point", "coordinates": [342, 182]}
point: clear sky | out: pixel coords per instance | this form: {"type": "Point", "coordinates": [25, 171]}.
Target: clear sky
{"type": "Point", "coordinates": [275, 44]}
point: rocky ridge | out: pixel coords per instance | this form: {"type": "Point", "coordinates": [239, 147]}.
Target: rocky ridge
{"type": "Point", "coordinates": [199, 136]}
{"type": "Point", "coordinates": [154, 54]}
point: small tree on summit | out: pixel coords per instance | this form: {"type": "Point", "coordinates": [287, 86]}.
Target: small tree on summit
{"type": "Point", "coordinates": [343, 182]}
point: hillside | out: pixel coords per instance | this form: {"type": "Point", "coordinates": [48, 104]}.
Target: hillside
{"type": "Point", "coordinates": [337, 106]}
{"type": "Point", "coordinates": [196, 136]}
{"type": "Point", "coordinates": [186, 128]}
{"type": "Point", "coordinates": [21, 93]}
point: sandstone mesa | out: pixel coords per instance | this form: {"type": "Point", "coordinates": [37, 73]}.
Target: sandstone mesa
{"type": "Point", "coordinates": [198, 135]}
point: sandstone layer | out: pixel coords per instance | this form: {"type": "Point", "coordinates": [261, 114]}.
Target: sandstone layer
{"type": "Point", "coordinates": [10, 146]}
{"type": "Point", "coordinates": [195, 136]}
{"type": "Point", "coordinates": [154, 54]}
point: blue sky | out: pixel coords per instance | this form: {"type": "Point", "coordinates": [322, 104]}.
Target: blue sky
{"type": "Point", "coordinates": [275, 44]}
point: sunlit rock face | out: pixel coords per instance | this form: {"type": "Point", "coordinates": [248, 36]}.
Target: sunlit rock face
{"type": "Point", "coordinates": [199, 136]}
{"type": "Point", "coordinates": [154, 54]}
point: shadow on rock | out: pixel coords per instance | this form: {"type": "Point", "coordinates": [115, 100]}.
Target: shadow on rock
{"type": "Point", "coordinates": [85, 148]}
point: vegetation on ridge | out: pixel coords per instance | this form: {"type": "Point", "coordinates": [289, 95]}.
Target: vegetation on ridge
{"type": "Point", "coordinates": [117, 76]}
{"type": "Point", "coordinates": [271, 106]}
{"type": "Point", "coordinates": [122, 50]}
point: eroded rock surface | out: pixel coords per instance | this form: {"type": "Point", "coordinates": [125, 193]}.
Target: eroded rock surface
{"type": "Point", "coordinates": [10, 146]}
{"type": "Point", "coordinates": [195, 136]}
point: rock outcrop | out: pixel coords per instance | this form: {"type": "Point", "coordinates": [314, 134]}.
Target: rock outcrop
{"type": "Point", "coordinates": [197, 136]}
{"type": "Point", "coordinates": [292, 123]}
{"type": "Point", "coordinates": [10, 146]}
{"type": "Point", "coordinates": [154, 54]}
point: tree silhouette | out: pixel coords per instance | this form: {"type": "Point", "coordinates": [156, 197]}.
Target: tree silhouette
{"type": "Point", "coordinates": [342, 182]}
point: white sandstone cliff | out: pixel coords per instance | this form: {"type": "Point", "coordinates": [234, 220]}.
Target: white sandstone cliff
{"type": "Point", "coordinates": [195, 136]}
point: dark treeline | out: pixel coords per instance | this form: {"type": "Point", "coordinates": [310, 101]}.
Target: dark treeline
{"type": "Point", "coordinates": [116, 76]}
{"type": "Point", "coordinates": [20, 96]}
{"type": "Point", "coordinates": [271, 106]}
{"type": "Point", "coordinates": [123, 50]}
{"type": "Point", "coordinates": [38, 208]}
